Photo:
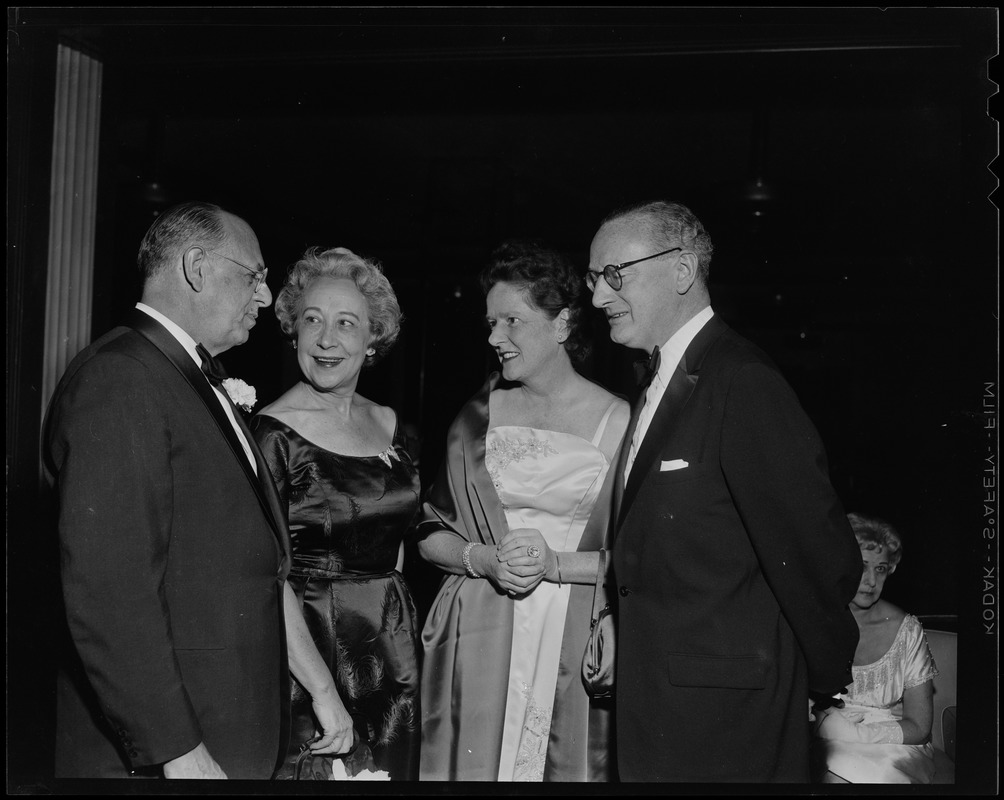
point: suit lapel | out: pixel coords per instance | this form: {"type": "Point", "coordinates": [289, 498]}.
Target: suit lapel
{"type": "Point", "coordinates": [172, 349]}
{"type": "Point", "coordinates": [621, 462]}
{"type": "Point", "coordinates": [674, 400]}
{"type": "Point", "coordinates": [266, 489]}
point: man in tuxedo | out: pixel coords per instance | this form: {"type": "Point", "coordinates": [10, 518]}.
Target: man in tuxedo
{"type": "Point", "coordinates": [733, 560]}
{"type": "Point", "coordinates": [173, 547]}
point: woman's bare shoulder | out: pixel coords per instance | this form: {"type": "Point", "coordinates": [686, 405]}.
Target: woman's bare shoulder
{"type": "Point", "coordinates": [891, 612]}
{"type": "Point", "coordinates": [601, 399]}
{"type": "Point", "coordinates": [282, 408]}
{"type": "Point", "coordinates": [889, 618]}
{"type": "Point", "coordinates": [384, 416]}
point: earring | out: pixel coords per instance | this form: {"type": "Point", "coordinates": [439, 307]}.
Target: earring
{"type": "Point", "coordinates": [371, 352]}
{"type": "Point", "coordinates": [294, 344]}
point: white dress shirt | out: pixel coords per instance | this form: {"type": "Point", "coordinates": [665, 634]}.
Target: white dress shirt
{"type": "Point", "coordinates": [669, 359]}
{"type": "Point", "coordinates": [189, 344]}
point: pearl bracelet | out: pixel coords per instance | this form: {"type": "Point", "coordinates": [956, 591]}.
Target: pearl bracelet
{"type": "Point", "coordinates": [467, 561]}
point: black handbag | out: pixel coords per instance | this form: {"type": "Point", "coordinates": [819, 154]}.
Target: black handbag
{"type": "Point", "coordinates": [598, 659]}
{"type": "Point", "coordinates": [314, 767]}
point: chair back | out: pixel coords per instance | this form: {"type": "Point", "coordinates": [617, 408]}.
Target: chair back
{"type": "Point", "coordinates": [944, 648]}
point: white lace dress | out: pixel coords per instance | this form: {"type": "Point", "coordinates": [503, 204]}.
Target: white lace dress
{"type": "Point", "coordinates": [878, 694]}
{"type": "Point", "coordinates": [546, 480]}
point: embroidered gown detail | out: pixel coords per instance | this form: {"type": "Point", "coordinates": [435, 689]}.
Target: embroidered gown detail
{"type": "Point", "coordinates": [550, 481]}
{"type": "Point", "coordinates": [878, 694]}
{"type": "Point", "coordinates": [347, 518]}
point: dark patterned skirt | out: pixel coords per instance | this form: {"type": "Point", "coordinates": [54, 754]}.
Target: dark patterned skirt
{"type": "Point", "coordinates": [365, 629]}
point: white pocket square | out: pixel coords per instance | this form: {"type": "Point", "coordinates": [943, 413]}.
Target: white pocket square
{"type": "Point", "coordinates": [676, 463]}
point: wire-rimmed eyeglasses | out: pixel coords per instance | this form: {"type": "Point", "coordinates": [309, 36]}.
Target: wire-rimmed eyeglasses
{"type": "Point", "coordinates": [260, 275]}
{"type": "Point", "coordinates": [612, 272]}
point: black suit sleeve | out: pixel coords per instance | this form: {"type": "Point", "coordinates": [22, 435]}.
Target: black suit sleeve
{"type": "Point", "coordinates": [776, 470]}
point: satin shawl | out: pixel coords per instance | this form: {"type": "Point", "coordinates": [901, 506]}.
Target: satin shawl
{"type": "Point", "coordinates": [467, 637]}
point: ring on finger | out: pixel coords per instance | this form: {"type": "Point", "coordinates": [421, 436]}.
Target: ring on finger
{"type": "Point", "coordinates": [533, 551]}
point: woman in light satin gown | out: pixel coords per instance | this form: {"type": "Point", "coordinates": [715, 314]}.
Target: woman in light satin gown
{"type": "Point", "coordinates": [883, 732]}
{"type": "Point", "coordinates": [516, 520]}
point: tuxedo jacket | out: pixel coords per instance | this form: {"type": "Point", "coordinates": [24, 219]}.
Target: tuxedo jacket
{"type": "Point", "coordinates": [734, 565]}
{"type": "Point", "coordinates": [173, 555]}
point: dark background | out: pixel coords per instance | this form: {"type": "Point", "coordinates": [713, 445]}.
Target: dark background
{"type": "Point", "coordinates": [839, 158]}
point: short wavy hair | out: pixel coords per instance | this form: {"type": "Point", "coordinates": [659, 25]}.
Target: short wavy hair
{"type": "Point", "coordinates": [550, 283]}
{"type": "Point", "coordinates": [176, 228]}
{"type": "Point", "coordinates": [670, 225]}
{"type": "Point", "coordinates": [876, 534]}
{"type": "Point", "coordinates": [366, 274]}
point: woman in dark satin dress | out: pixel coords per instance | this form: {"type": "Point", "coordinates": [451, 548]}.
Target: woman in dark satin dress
{"type": "Point", "coordinates": [341, 466]}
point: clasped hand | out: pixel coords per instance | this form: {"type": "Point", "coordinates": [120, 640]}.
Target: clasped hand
{"type": "Point", "coordinates": [513, 569]}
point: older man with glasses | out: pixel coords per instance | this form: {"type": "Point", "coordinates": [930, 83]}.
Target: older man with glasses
{"type": "Point", "coordinates": [174, 548]}
{"type": "Point", "coordinates": [733, 560]}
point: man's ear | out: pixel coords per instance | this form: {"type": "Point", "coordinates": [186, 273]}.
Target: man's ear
{"type": "Point", "coordinates": [194, 263]}
{"type": "Point", "coordinates": [686, 271]}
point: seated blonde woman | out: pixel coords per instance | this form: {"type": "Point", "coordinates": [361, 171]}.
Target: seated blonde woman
{"type": "Point", "coordinates": [883, 732]}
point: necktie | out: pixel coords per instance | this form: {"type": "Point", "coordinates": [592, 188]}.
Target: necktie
{"type": "Point", "coordinates": [212, 368]}
{"type": "Point", "coordinates": [214, 371]}
{"type": "Point", "coordinates": [646, 370]}
{"type": "Point", "coordinates": [646, 373]}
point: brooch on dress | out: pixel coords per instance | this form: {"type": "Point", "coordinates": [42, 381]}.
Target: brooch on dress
{"type": "Point", "coordinates": [388, 454]}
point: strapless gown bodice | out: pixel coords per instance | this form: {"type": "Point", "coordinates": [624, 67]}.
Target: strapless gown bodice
{"type": "Point", "coordinates": [548, 480]}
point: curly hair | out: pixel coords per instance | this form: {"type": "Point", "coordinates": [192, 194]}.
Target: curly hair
{"type": "Point", "coordinates": [671, 225]}
{"type": "Point", "coordinates": [550, 284]}
{"type": "Point", "coordinates": [338, 262]}
{"type": "Point", "coordinates": [876, 534]}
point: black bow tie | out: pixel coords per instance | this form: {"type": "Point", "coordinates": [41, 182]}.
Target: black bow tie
{"type": "Point", "coordinates": [212, 368]}
{"type": "Point", "coordinates": [645, 370]}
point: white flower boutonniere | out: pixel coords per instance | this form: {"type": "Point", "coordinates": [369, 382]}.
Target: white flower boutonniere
{"type": "Point", "coordinates": [241, 394]}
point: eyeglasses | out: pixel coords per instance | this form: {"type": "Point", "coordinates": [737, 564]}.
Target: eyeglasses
{"type": "Point", "coordinates": [612, 272]}
{"type": "Point", "coordinates": [261, 275]}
